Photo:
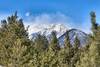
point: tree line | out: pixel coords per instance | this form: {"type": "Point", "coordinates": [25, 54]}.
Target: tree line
{"type": "Point", "coordinates": [17, 50]}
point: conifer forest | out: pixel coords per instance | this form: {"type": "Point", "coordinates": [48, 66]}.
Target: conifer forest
{"type": "Point", "coordinates": [17, 50]}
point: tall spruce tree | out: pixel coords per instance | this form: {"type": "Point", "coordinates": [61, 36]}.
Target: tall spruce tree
{"type": "Point", "coordinates": [68, 49]}
{"type": "Point", "coordinates": [66, 53]}
{"type": "Point", "coordinates": [95, 46]}
{"type": "Point", "coordinates": [76, 52]}
{"type": "Point", "coordinates": [39, 50]}
{"type": "Point", "coordinates": [54, 41]}
{"type": "Point", "coordinates": [93, 22]}
{"type": "Point", "coordinates": [13, 41]}
{"type": "Point", "coordinates": [91, 57]}
{"type": "Point", "coordinates": [50, 55]}
{"type": "Point", "coordinates": [41, 42]}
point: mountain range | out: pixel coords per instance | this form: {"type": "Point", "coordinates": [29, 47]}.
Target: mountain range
{"type": "Point", "coordinates": [46, 29]}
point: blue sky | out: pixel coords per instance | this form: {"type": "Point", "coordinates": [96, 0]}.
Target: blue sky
{"type": "Point", "coordinates": [73, 12]}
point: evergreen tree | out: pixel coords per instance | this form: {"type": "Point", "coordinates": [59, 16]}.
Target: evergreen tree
{"type": "Point", "coordinates": [41, 42]}
{"type": "Point", "coordinates": [76, 45]}
{"type": "Point", "coordinates": [76, 50]}
{"type": "Point", "coordinates": [54, 42]}
{"type": "Point", "coordinates": [84, 60]}
{"type": "Point", "coordinates": [95, 46]}
{"type": "Point", "coordinates": [40, 46]}
{"type": "Point", "coordinates": [68, 48]}
{"type": "Point", "coordinates": [67, 41]}
{"type": "Point", "coordinates": [13, 42]}
{"type": "Point", "coordinates": [95, 54]}
{"type": "Point", "coordinates": [91, 57]}
{"type": "Point", "coordinates": [66, 53]}
{"type": "Point", "coordinates": [93, 22]}
{"type": "Point", "coordinates": [49, 56]}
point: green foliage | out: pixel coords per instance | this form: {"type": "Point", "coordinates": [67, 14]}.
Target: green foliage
{"type": "Point", "coordinates": [54, 45]}
{"type": "Point", "coordinates": [40, 42]}
{"type": "Point", "coordinates": [93, 21]}
{"type": "Point", "coordinates": [94, 48]}
{"type": "Point", "coordinates": [13, 41]}
{"type": "Point", "coordinates": [17, 50]}
{"type": "Point", "coordinates": [91, 57]}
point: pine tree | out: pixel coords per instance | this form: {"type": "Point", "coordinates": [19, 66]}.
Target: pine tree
{"type": "Point", "coordinates": [91, 57]}
{"type": "Point", "coordinates": [38, 50]}
{"type": "Point", "coordinates": [94, 48]}
{"type": "Point", "coordinates": [41, 42]}
{"type": "Point", "coordinates": [76, 50]}
{"type": "Point", "coordinates": [84, 60]}
{"type": "Point", "coordinates": [68, 49]}
{"type": "Point", "coordinates": [93, 22]}
{"type": "Point", "coordinates": [76, 45]}
{"type": "Point", "coordinates": [13, 41]}
{"type": "Point", "coordinates": [49, 56]}
{"type": "Point", "coordinates": [67, 41]}
{"type": "Point", "coordinates": [65, 54]}
{"type": "Point", "coordinates": [54, 42]}
{"type": "Point", "coordinates": [95, 54]}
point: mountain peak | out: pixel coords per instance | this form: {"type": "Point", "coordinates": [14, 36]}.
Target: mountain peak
{"type": "Point", "coordinates": [73, 33]}
{"type": "Point", "coordinates": [47, 29]}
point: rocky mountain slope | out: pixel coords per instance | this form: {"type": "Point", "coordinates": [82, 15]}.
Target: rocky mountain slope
{"type": "Point", "coordinates": [46, 29]}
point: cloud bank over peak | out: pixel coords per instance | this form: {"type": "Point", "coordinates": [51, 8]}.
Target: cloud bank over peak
{"type": "Point", "coordinates": [50, 18]}
{"type": "Point", "coordinates": [53, 18]}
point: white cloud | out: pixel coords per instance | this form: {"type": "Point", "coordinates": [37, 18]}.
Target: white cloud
{"type": "Point", "coordinates": [53, 18]}
{"type": "Point", "coordinates": [45, 18]}
{"type": "Point", "coordinates": [58, 18]}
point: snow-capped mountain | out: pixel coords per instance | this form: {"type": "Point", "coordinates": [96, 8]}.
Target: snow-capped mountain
{"type": "Point", "coordinates": [83, 37]}
{"type": "Point", "coordinates": [46, 29]}
{"type": "Point", "coordinates": [60, 29]}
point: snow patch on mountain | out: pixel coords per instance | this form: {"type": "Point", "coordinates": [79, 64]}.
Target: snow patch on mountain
{"type": "Point", "coordinates": [73, 33]}
{"type": "Point", "coordinates": [46, 29]}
